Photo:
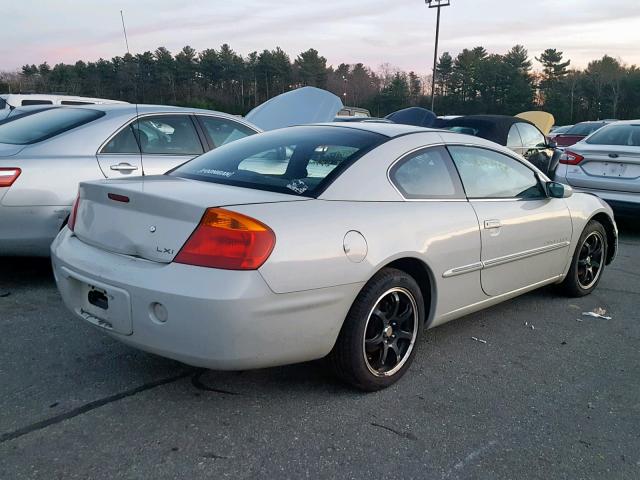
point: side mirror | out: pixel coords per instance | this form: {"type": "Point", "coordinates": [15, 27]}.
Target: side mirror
{"type": "Point", "coordinates": [558, 190]}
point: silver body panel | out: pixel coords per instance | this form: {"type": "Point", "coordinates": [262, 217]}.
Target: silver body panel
{"type": "Point", "coordinates": [52, 170]}
{"type": "Point", "coordinates": [477, 253]}
{"type": "Point", "coordinates": [612, 172]}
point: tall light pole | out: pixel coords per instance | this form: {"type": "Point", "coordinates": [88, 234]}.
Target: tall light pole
{"type": "Point", "coordinates": [436, 4]}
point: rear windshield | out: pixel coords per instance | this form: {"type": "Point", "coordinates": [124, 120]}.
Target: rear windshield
{"type": "Point", "coordinates": [45, 124]}
{"type": "Point", "coordinates": [628, 135]}
{"type": "Point", "coordinates": [584, 129]}
{"type": "Point", "coordinates": [299, 160]}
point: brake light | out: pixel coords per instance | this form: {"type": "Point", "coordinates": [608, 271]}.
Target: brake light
{"type": "Point", "coordinates": [71, 223]}
{"type": "Point", "coordinates": [228, 240]}
{"type": "Point", "coordinates": [570, 158]}
{"type": "Point", "coordinates": [8, 176]}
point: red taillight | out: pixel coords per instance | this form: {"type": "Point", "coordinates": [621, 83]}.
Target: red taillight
{"type": "Point", "coordinates": [570, 158]}
{"type": "Point", "coordinates": [228, 240]}
{"type": "Point", "coordinates": [71, 223]}
{"type": "Point", "coordinates": [8, 176]}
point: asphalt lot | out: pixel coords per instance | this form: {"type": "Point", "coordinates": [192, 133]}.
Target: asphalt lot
{"type": "Point", "coordinates": [561, 400]}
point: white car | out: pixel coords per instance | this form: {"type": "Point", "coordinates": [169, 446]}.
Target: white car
{"type": "Point", "coordinates": [337, 239]}
{"type": "Point", "coordinates": [11, 101]}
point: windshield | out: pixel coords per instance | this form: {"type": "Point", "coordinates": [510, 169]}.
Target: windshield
{"type": "Point", "coordinates": [36, 127]}
{"type": "Point", "coordinates": [584, 129]}
{"type": "Point", "coordinates": [299, 160]}
{"type": "Point", "coordinates": [628, 135]}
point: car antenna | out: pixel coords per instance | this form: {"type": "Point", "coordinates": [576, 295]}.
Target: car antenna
{"type": "Point", "coordinates": [137, 132]}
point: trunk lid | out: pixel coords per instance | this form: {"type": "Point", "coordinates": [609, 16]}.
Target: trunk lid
{"type": "Point", "coordinates": [606, 167]}
{"type": "Point", "coordinates": [160, 214]}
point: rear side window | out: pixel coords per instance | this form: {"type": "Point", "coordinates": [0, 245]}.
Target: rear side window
{"type": "Point", "coordinates": [167, 135]}
{"type": "Point", "coordinates": [489, 174]}
{"type": "Point", "coordinates": [298, 160]}
{"type": "Point", "coordinates": [427, 174]}
{"type": "Point", "coordinates": [222, 130]}
{"type": "Point", "coordinates": [628, 135]}
{"type": "Point", "coordinates": [45, 124]}
{"type": "Point", "coordinates": [26, 103]}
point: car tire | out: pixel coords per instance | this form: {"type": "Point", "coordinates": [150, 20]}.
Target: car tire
{"type": "Point", "coordinates": [588, 261]}
{"type": "Point", "coordinates": [378, 339]}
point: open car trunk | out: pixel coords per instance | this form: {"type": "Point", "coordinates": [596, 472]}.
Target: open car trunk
{"type": "Point", "coordinates": [152, 217]}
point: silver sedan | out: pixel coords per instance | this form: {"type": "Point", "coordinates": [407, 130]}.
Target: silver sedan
{"type": "Point", "coordinates": [607, 164]}
{"type": "Point", "coordinates": [340, 240]}
{"type": "Point", "coordinates": [45, 153]}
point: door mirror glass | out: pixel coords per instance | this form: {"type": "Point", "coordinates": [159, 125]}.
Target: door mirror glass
{"type": "Point", "coordinates": [559, 190]}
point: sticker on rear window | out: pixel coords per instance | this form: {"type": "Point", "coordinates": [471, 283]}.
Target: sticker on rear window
{"type": "Point", "coordinates": [220, 173]}
{"type": "Point", "coordinates": [297, 186]}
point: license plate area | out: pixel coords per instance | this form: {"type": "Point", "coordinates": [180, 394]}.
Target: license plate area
{"type": "Point", "coordinates": [102, 305]}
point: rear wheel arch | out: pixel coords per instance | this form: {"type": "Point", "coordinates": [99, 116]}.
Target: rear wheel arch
{"type": "Point", "coordinates": [424, 277]}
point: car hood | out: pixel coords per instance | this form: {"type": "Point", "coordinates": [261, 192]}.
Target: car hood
{"type": "Point", "coordinates": [543, 120]}
{"type": "Point", "coordinates": [301, 106]}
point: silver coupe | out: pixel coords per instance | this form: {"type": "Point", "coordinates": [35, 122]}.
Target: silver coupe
{"type": "Point", "coordinates": [339, 240]}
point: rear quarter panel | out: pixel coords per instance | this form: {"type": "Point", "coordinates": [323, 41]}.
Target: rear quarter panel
{"type": "Point", "coordinates": [309, 251]}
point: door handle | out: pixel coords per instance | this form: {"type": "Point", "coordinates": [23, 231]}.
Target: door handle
{"type": "Point", "coordinates": [124, 167]}
{"type": "Point", "coordinates": [489, 224]}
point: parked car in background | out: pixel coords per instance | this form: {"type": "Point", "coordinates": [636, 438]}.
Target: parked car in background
{"type": "Point", "coordinates": [518, 134]}
{"type": "Point", "coordinates": [578, 132]}
{"type": "Point", "coordinates": [343, 240]}
{"type": "Point", "coordinates": [10, 101]}
{"type": "Point", "coordinates": [555, 131]}
{"type": "Point", "coordinates": [44, 154]}
{"type": "Point", "coordinates": [607, 163]}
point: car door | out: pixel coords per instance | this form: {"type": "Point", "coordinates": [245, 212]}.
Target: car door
{"type": "Point", "coordinates": [525, 235]}
{"type": "Point", "coordinates": [535, 148]}
{"type": "Point", "coordinates": [166, 141]}
{"type": "Point", "coordinates": [120, 155]}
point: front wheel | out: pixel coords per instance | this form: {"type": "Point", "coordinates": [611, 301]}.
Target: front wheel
{"type": "Point", "coordinates": [377, 342]}
{"type": "Point", "coordinates": [588, 261]}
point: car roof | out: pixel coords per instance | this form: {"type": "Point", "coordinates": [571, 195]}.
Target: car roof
{"type": "Point", "coordinates": [388, 129]}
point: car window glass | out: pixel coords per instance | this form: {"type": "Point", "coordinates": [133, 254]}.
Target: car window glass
{"type": "Point", "coordinates": [167, 135]}
{"type": "Point", "coordinates": [427, 174]}
{"type": "Point", "coordinates": [297, 160]}
{"type": "Point", "coordinates": [513, 138]}
{"type": "Point", "coordinates": [489, 174]}
{"type": "Point", "coordinates": [26, 103]}
{"type": "Point", "coordinates": [43, 124]}
{"type": "Point", "coordinates": [584, 128]}
{"type": "Point", "coordinates": [222, 130]}
{"type": "Point", "coordinates": [123, 142]}
{"type": "Point", "coordinates": [628, 135]}
{"type": "Point", "coordinates": [531, 136]}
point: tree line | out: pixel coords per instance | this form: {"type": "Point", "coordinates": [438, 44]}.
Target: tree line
{"type": "Point", "coordinates": [474, 81]}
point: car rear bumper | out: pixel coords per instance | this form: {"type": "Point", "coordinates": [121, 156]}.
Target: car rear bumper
{"type": "Point", "coordinates": [217, 319]}
{"type": "Point", "coordinates": [29, 230]}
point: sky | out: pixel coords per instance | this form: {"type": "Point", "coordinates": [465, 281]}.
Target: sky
{"type": "Point", "coordinates": [397, 32]}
